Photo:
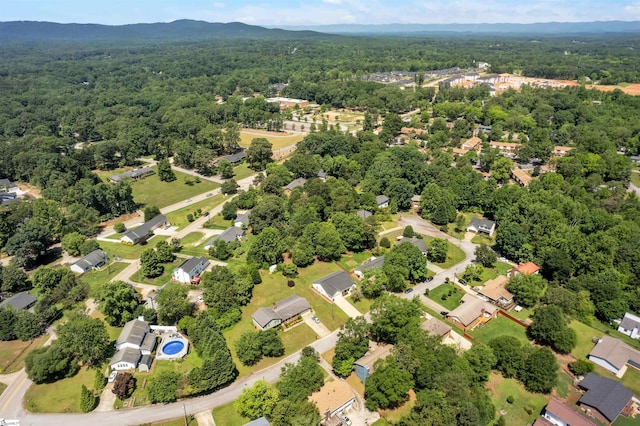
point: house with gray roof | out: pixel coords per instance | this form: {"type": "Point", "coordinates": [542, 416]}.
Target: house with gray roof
{"type": "Point", "coordinates": [22, 300]}
{"type": "Point", "coordinates": [235, 158]}
{"type": "Point", "coordinates": [7, 186]}
{"type": "Point", "coordinates": [364, 213]}
{"type": "Point", "coordinates": [132, 334]}
{"type": "Point", "coordinates": [382, 201]}
{"type": "Point", "coordinates": [142, 232]}
{"type": "Point", "coordinates": [190, 269]}
{"type": "Point", "coordinates": [630, 325]}
{"type": "Point", "coordinates": [228, 235]}
{"type": "Point", "coordinates": [375, 262]}
{"type": "Point", "coordinates": [242, 220]}
{"type": "Point", "coordinates": [145, 363]}
{"type": "Point", "coordinates": [416, 242]}
{"type": "Point", "coordinates": [262, 421]}
{"type": "Point", "coordinates": [93, 260]}
{"type": "Point", "coordinates": [482, 226]}
{"type": "Point", "coordinates": [334, 285]}
{"type": "Point", "coordinates": [125, 359]}
{"type": "Point", "coordinates": [322, 175]}
{"type": "Point", "coordinates": [281, 312]}
{"type": "Point", "coordinates": [7, 198]}
{"type": "Point", "coordinates": [604, 398]}
{"type": "Point", "coordinates": [135, 174]}
{"type": "Point", "coordinates": [614, 355]}
{"type": "Point", "coordinates": [134, 342]}
{"type": "Point", "coordinates": [296, 183]}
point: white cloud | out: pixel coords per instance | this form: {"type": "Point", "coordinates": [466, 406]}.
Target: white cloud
{"type": "Point", "coordinates": [332, 1]}
{"type": "Point", "coordinates": [219, 5]}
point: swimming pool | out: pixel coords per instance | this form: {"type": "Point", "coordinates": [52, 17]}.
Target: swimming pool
{"type": "Point", "coordinates": [174, 347]}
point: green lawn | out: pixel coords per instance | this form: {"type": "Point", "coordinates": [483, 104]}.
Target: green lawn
{"type": "Point", "coordinates": [175, 422]}
{"type": "Point", "coordinates": [450, 302]}
{"type": "Point", "coordinates": [228, 416]}
{"type": "Point", "coordinates": [363, 305]}
{"type": "Point", "coordinates": [217, 222]}
{"type": "Point", "coordinates": [631, 379]}
{"type": "Point", "coordinates": [62, 396]}
{"type": "Point", "coordinates": [499, 326]}
{"type": "Point", "coordinates": [516, 413]}
{"type": "Point", "coordinates": [96, 279]}
{"type": "Point", "coordinates": [162, 279]}
{"type": "Point", "coordinates": [152, 191]}
{"type": "Point", "coordinates": [242, 171]}
{"type": "Point", "coordinates": [455, 255]}
{"type": "Point", "coordinates": [192, 238]}
{"type": "Point", "coordinates": [625, 421]}
{"type": "Point", "coordinates": [394, 416]}
{"type": "Point", "coordinates": [2, 388]}
{"type": "Point", "coordinates": [351, 260]}
{"type": "Point", "coordinates": [635, 179]}
{"type": "Point", "coordinates": [585, 333]}
{"type": "Point", "coordinates": [277, 141]}
{"type": "Point", "coordinates": [129, 252]}
{"type": "Point", "coordinates": [524, 314]}
{"type": "Point", "coordinates": [451, 227]}
{"type": "Point", "coordinates": [178, 217]}
{"type": "Point", "coordinates": [274, 288]}
{"type": "Point", "coordinates": [380, 422]}
{"type": "Point", "coordinates": [483, 239]}
{"type": "Point", "coordinates": [500, 268]}
{"type": "Point", "coordinates": [13, 353]}
{"type": "Point", "coordinates": [113, 332]}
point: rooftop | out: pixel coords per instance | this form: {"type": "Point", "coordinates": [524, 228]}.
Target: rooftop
{"type": "Point", "coordinates": [127, 354]}
{"type": "Point", "coordinates": [134, 174]}
{"type": "Point", "coordinates": [435, 327]}
{"type": "Point", "coordinates": [364, 213]}
{"type": "Point", "coordinates": [495, 289]}
{"type": "Point", "coordinates": [295, 183]}
{"type": "Point", "coordinates": [22, 300]}
{"type": "Point", "coordinates": [283, 309]}
{"type": "Point", "coordinates": [335, 282]}
{"type": "Point", "coordinates": [376, 351]}
{"type": "Point", "coordinates": [615, 352]}
{"type": "Point", "coordinates": [567, 414]}
{"type": "Point", "coordinates": [332, 396]}
{"type": "Point", "coordinates": [92, 260]}
{"type": "Point", "coordinates": [377, 262]}
{"type": "Point", "coordinates": [243, 218]}
{"type": "Point", "coordinates": [630, 321]}
{"type": "Point", "coordinates": [133, 332]}
{"type": "Point", "coordinates": [522, 176]}
{"type": "Point", "coordinates": [189, 265]}
{"type": "Point", "coordinates": [527, 268]}
{"type": "Point", "coordinates": [414, 241]}
{"type": "Point", "coordinates": [481, 223]}
{"type": "Point", "coordinates": [230, 234]}
{"type": "Point", "coordinates": [381, 199]}
{"type": "Point", "coordinates": [606, 395]}
{"type": "Point", "coordinates": [234, 158]}
{"type": "Point", "coordinates": [471, 309]}
{"type": "Point", "coordinates": [144, 229]}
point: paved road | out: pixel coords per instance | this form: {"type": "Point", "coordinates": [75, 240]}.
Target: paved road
{"type": "Point", "coordinates": [633, 188]}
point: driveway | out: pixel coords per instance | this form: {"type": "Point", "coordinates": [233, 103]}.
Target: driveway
{"type": "Point", "coordinates": [347, 307]}
{"type": "Point", "coordinates": [319, 328]}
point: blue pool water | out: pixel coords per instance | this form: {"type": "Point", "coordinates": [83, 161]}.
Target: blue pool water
{"type": "Point", "coordinates": [173, 348]}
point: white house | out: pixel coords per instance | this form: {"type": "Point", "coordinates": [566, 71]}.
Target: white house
{"type": "Point", "coordinates": [134, 341]}
{"type": "Point", "coordinates": [125, 359]}
{"type": "Point", "coordinates": [630, 325]}
{"type": "Point", "coordinates": [383, 201]}
{"type": "Point", "coordinates": [242, 220]}
{"type": "Point", "coordinates": [334, 285]}
{"type": "Point", "coordinates": [376, 262]}
{"type": "Point", "coordinates": [482, 226]}
{"type": "Point", "coordinates": [190, 269]}
{"type": "Point", "coordinates": [614, 355]}
{"type": "Point", "coordinates": [93, 260]}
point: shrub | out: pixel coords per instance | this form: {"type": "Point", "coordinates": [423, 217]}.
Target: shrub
{"type": "Point", "coordinates": [99, 381]}
{"type": "Point", "coordinates": [119, 227]}
{"type": "Point", "coordinates": [291, 283]}
{"type": "Point", "coordinates": [510, 399]}
{"type": "Point", "coordinates": [384, 242]}
{"type": "Point", "coordinates": [190, 217]}
{"type": "Point", "coordinates": [581, 367]}
{"type": "Point", "coordinates": [87, 400]}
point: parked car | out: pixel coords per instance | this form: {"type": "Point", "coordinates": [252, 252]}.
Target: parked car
{"type": "Point", "coordinates": [316, 320]}
{"type": "Point", "coordinates": [205, 214]}
{"type": "Point", "coordinates": [112, 376]}
{"type": "Point", "coordinates": [444, 313]}
{"type": "Point", "coordinates": [461, 281]}
{"type": "Point", "coordinates": [409, 290]}
{"type": "Point", "coordinates": [428, 280]}
{"type": "Point", "coordinates": [209, 195]}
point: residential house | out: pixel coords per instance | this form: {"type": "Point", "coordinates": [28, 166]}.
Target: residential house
{"type": "Point", "coordinates": [416, 242]}
{"type": "Point", "coordinates": [472, 144]}
{"type": "Point", "coordinates": [614, 355]}
{"type": "Point", "coordinates": [7, 198]}
{"type": "Point", "coordinates": [521, 177]}
{"type": "Point", "coordinates": [145, 363]}
{"type": "Point", "coordinates": [482, 226]}
{"type": "Point", "coordinates": [135, 174]}
{"type": "Point", "coordinates": [364, 213]}
{"type": "Point", "coordinates": [415, 201]}
{"type": "Point", "coordinates": [383, 201]}
{"type": "Point", "coordinates": [262, 421]}
{"type": "Point", "coordinates": [190, 269]}
{"type": "Point", "coordinates": [282, 312]}
{"type": "Point", "coordinates": [374, 262]}
{"type": "Point", "coordinates": [412, 131]}
{"type": "Point", "coordinates": [561, 151]}
{"type": "Point", "coordinates": [296, 183]}
{"type": "Point", "coordinates": [528, 268]}
{"type": "Point", "coordinates": [288, 102]}
{"type": "Point", "coordinates": [135, 341]}
{"type": "Point", "coordinates": [605, 399]}
{"type": "Point", "coordinates": [334, 285]}
{"type": "Point", "coordinates": [505, 148]}
{"type": "Point", "coordinates": [560, 414]}
{"type": "Point", "coordinates": [142, 232]}
{"type": "Point", "coordinates": [18, 301]}
{"type": "Point", "coordinates": [228, 235]}
{"type": "Point", "coordinates": [235, 158]}
{"type": "Point", "coordinates": [332, 399]}
{"type": "Point", "coordinates": [436, 327]}
{"type": "Point", "coordinates": [472, 312]}
{"type": "Point", "coordinates": [495, 291]}
{"type": "Point", "coordinates": [630, 325]}
{"type": "Point", "coordinates": [364, 366]}
{"type": "Point", "coordinates": [93, 260]}
{"type": "Point", "coordinates": [484, 129]}
{"type": "Point", "coordinates": [242, 220]}
{"type": "Point", "coordinates": [322, 175]}
{"type": "Point", "coordinates": [7, 186]}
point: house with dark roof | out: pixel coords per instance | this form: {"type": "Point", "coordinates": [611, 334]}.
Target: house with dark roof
{"type": "Point", "coordinates": [296, 183]}
{"type": "Point", "coordinates": [145, 363]}
{"type": "Point", "coordinates": [375, 262]}
{"type": "Point", "coordinates": [190, 269]}
{"type": "Point", "coordinates": [22, 300]}
{"type": "Point", "coordinates": [93, 260]}
{"type": "Point", "coordinates": [242, 220]}
{"type": "Point", "coordinates": [334, 285]}
{"type": "Point", "coordinates": [7, 198]}
{"type": "Point", "coordinates": [228, 235]}
{"type": "Point", "coordinates": [605, 399]}
{"type": "Point", "coordinates": [322, 175]}
{"type": "Point", "coordinates": [630, 325]}
{"type": "Point", "coordinates": [364, 213]}
{"type": "Point", "coordinates": [235, 158]}
{"type": "Point", "coordinates": [364, 366]}
{"type": "Point", "coordinates": [281, 312]}
{"type": "Point", "coordinates": [382, 201]}
{"type": "Point", "coordinates": [135, 341]}
{"type": "Point", "coordinates": [135, 174]}
{"type": "Point", "coordinates": [416, 242]}
{"type": "Point", "coordinates": [7, 186]}
{"type": "Point", "coordinates": [614, 355]}
{"type": "Point", "coordinates": [482, 226]}
{"type": "Point", "coordinates": [560, 414]}
{"type": "Point", "coordinates": [472, 312]}
{"type": "Point", "coordinates": [142, 232]}
{"type": "Point", "coordinates": [262, 421]}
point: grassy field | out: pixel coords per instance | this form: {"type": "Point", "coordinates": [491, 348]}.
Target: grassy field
{"type": "Point", "coordinates": [228, 416]}
{"type": "Point", "coordinates": [277, 141]}
{"type": "Point", "coordinates": [62, 396]}
{"type": "Point", "coordinates": [274, 288]}
{"type": "Point", "coordinates": [500, 268]}
{"type": "Point", "coordinates": [585, 333]}
{"type": "Point", "coordinates": [113, 332]}
{"type": "Point", "coordinates": [351, 260]}
{"type": "Point", "coordinates": [13, 353]}
{"type": "Point", "coordinates": [218, 222]}
{"type": "Point", "coordinates": [129, 252]}
{"type": "Point", "coordinates": [483, 239]}
{"type": "Point", "coordinates": [192, 238]}
{"type": "Point", "coordinates": [162, 279]}
{"type": "Point", "coordinates": [152, 191]}
{"type": "Point", "coordinates": [179, 217]}
{"type": "Point", "coordinates": [499, 326]}
{"type": "Point", "coordinates": [363, 305]}
{"type": "Point", "coordinates": [455, 255]}
{"type": "Point", "coordinates": [524, 402]}
{"type": "Point", "coordinates": [393, 416]}
{"type": "Point", "coordinates": [242, 171]}
{"type": "Point", "coordinates": [451, 302]}
{"type": "Point", "coordinates": [624, 421]}
{"type": "Point", "coordinates": [96, 279]}
{"type": "Point", "coordinates": [635, 179]}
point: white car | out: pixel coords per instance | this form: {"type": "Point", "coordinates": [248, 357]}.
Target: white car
{"type": "Point", "coordinates": [112, 376]}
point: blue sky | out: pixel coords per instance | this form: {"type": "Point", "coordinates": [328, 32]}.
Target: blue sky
{"type": "Point", "coordinates": [318, 12]}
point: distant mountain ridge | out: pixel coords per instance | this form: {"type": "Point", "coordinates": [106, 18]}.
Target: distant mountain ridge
{"type": "Point", "coordinates": [182, 29]}
{"type": "Point", "coordinates": [538, 28]}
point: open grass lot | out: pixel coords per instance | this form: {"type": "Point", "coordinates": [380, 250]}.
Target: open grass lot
{"type": "Point", "coordinates": [13, 353]}
{"type": "Point", "coordinates": [192, 238]}
{"type": "Point", "coordinates": [625, 421]}
{"type": "Point", "coordinates": [162, 279]}
{"type": "Point", "coordinates": [635, 178]}
{"type": "Point", "coordinates": [483, 239]}
{"type": "Point", "coordinates": [499, 326]}
{"type": "Point", "coordinates": [129, 252]}
{"type": "Point", "coordinates": [363, 305]}
{"type": "Point", "coordinates": [113, 332]}
{"type": "Point", "coordinates": [242, 171]}
{"type": "Point", "coordinates": [631, 379]}
{"type": "Point", "coordinates": [451, 227]}
{"type": "Point", "coordinates": [524, 314]}
{"type": "Point", "coordinates": [277, 141]}
{"type": "Point", "coordinates": [516, 413]}
{"type": "Point", "coordinates": [380, 422]}
{"type": "Point", "coordinates": [62, 396]}
{"type": "Point", "coordinates": [394, 416]}
{"type": "Point", "coordinates": [151, 191]}
{"type": "Point", "coordinates": [455, 255]}
{"type": "Point", "coordinates": [350, 260]}
{"type": "Point", "coordinates": [2, 388]}
{"type": "Point", "coordinates": [178, 217]}
{"type": "Point", "coordinates": [217, 222]}
{"type": "Point", "coordinates": [450, 302]}
{"type": "Point", "coordinates": [585, 333]}
{"type": "Point", "coordinates": [500, 268]}
{"type": "Point", "coordinates": [96, 279]}
{"type": "Point", "coordinates": [175, 422]}
{"type": "Point", "coordinates": [228, 416]}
